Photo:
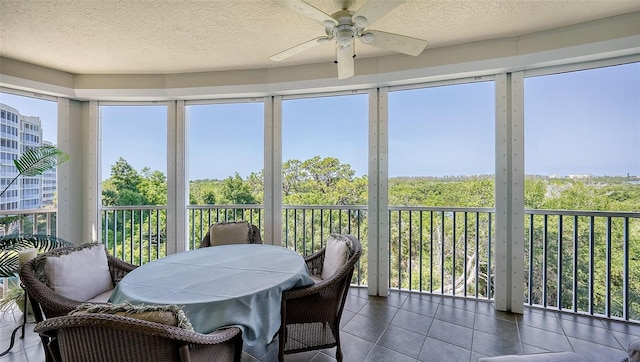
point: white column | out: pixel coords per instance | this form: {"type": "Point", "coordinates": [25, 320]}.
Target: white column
{"type": "Point", "coordinates": [509, 194]}
{"type": "Point", "coordinates": [92, 169]}
{"type": "Point", "coordinates": [78, 185]}
{"type": "Point", "coordinates": [378, 220]}
{"type": "Point", "coordinates": [273, 170]}
{"type": "Point", "coordinates": [177, 172]}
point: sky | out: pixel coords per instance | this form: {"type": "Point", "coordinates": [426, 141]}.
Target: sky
{"type": "Point", "coordinates": [576, 123]}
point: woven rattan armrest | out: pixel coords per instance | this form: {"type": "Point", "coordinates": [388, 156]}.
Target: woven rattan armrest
{"type": "Point", "coordinates": [50, 326]}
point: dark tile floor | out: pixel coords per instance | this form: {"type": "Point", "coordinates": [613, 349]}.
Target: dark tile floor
{"type": "Point", "coordinates": [417, 327]}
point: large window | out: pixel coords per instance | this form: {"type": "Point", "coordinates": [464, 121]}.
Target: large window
{"type": "Point", "coordinates": [26, 122]}
{"type": "Point", "coordinates": [582, 152]}
{"type": "Point", "coordinates": [226, 156]}
{"type": "Point", "coordinates": [134, 155]}
{"type": "Point", "coordinates": [441, 159]}
{"type": "Point", "coordinates": [584, 125]}
{"type": "Point", "coordinates": [226, 153]}
{"type": "Point", "coordinates": [324, 150]}
{"type": "Point", "coordinates": [325, 162]}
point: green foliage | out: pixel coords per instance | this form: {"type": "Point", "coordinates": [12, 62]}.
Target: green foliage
{"type": "Point", "coordinates": [235, 191]}
{"type": "Point", "coordinates": [35, 161]}
{"type": "Point", "coordinates": [321, 181]}
{"type": "Point", "coordinates": [436, 251]}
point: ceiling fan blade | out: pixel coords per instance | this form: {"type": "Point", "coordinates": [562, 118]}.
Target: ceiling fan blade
{"type": "Point", "coordinates": [373, 10]}
{"type": "Point", "coordinates": [396, 42]}
{"type": "Point", "coordinates": [299, 48]}
{"type": "Point", "coordinates": [344, 55]}
{"type": "Point", "coordinates": [309, 11]}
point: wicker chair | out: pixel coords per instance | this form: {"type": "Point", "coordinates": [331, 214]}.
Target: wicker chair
{"type": "Point", "coordinates": [45, 302]}
{"type": "Point", "coordinates": [253, 237]}
{"type": "Point", "coordinates": [310, 316]}
{"type": "Point", "coordinates": [108, 337]}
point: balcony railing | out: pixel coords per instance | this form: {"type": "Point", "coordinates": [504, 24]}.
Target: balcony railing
{"type": "Point", "coordinates": [37, 221]}
{"type": "Point", "coordinates": [136, 234]}
{"type": "Point", "coordinates": [584, 262]}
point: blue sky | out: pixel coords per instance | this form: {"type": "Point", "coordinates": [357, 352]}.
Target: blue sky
{"type": "Point", "coordinates": [584, 122]}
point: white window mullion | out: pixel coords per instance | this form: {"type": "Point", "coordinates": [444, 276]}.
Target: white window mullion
{"type": "Point", "coordinates": [509, 194]}
{"type": "Point", "coordinates": [273, 170]}
{"type": "Point", "coordinates": [176, 178]}
{"type": "Point", "coordinates": [378, 227]}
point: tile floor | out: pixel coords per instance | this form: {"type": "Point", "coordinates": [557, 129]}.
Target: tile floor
{"type": "Point", "coordinates": [417, 327]}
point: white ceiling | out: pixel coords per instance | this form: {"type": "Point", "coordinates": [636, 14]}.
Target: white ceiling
{"type": "Point", "coordinates": [164, 37]}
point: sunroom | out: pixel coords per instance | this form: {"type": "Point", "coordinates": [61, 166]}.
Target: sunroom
{"type": "Point", "coordinates": [510, 117]}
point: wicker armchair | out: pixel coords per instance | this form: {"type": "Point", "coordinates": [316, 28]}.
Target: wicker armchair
{"type": "Point", "coordinates": [45, 302]}
{"type": "Point", "coordinates": [108, 337]}
{"type": "Point", "coordinates": [253, 236]}
{"type": "Point", "coordinates": [310, 316]}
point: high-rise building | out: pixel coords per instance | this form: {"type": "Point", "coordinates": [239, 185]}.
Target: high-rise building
{"type": "Point", "coordinates": [18, 133]}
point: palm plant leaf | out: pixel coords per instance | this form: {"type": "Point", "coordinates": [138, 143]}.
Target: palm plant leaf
{"type": "Point", "coordinates": [37, 160]}
{"type": "Point", "coordinates": [10, 245]}
{"type": "Point", "coordinates": [8, 263]}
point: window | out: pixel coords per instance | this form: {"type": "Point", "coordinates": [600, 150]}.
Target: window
{"type": "Point", "coordinates": [18, 113]}
{"type": "Point", "coordinates": [226, 153]}
{"type": "Point", "coordinates": [134, 155]}
{"type": "Point", "coordinates": [324, 162]}
{"type": "Point", "coordinates": [441, 155]}
{"type": "Point", "coordinates": [582, 152]}
{"type": "Point", "coordinates": [443, 135]}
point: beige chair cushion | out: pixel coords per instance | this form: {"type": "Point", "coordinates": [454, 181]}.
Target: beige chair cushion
{"type": "Point", "coordinates": [170, 315]}
{"type": "Point", "coordinates": [101, 298]}
{"type": "Point", "coordinates": [229, 233]}
{"type": "Point", "coordinates": [336, 254]}
{"type": "Point", "coordinates": [81, 274]}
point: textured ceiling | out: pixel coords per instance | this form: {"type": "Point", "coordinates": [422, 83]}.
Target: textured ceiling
{"type": "Point", "coordinates": [163, 36]}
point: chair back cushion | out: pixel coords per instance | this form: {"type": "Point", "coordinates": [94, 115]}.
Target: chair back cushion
{"type": "Point", "coordinates": [170, 315]}
{"type": "Point", "coordinates": [229, 233]}
{"type": "Point", "coordinates": [79, 273]}
{"type": "Point", "coordinates": [336, 254]}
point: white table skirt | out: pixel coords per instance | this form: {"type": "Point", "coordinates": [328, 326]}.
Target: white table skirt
{"type": "Point", "coordinates": [220, 286]}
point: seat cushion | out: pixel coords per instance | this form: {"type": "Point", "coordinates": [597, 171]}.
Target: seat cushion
{"type": "Point", "coordinates": [336, 254]}
{"type": "Point", "coordinates": [80, 274]}
{"type": "Point", "coordinates": [101, 298]}
{"type": "Point", "coordinates": [229, 233]}
{"type": "Point", "coordinates": [170, 315]}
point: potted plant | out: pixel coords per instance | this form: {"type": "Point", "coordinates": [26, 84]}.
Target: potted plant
{"type": "Point", "coordinates": [15, 293]}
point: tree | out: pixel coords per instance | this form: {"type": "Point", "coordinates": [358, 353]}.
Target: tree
{"type": "Point", "coordinates": [123, 187]}
{"type": "Point", "coordinates": [125, 177]}
{"type": "Point", "coordinates": [234, 191]}
{"type": "Point", "coordinates": [153, 187]}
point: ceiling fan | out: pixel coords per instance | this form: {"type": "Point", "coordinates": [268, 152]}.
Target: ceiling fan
{"type": "Point", "coordinates": [345, 26]}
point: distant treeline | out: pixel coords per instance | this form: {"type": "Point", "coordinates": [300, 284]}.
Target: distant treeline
{"type": "Point", "coordinates": [327, 181]}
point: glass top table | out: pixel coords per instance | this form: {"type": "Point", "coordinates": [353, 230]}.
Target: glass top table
{"type": "Point", "coordinates": [219, 286]}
